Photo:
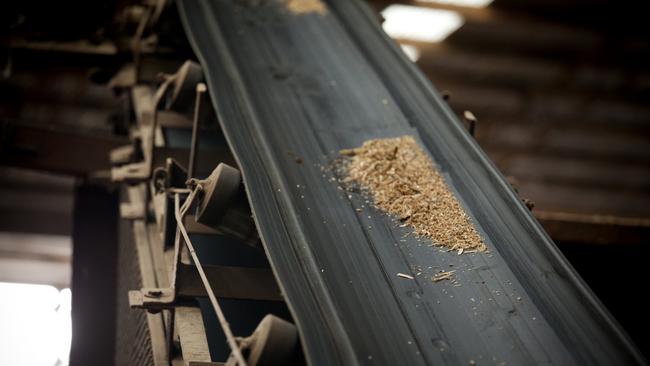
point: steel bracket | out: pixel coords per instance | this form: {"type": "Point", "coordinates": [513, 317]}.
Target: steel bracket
{"type": "Point", "coordinates": [132, 211]}
{"type": "Point", "coordinates": [152, 299]}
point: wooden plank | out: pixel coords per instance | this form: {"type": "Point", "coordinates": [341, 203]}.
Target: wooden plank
{"type": "Point", "coordinates": [28, 258]}
{"type": "Point", "coordinates": [158, 256]}
{"type": "Point", "coordinates": [57, 150]}
{"type": "Point", "coordinates": [191, 331]}
{"type": "Point", "coordinates": [590, 229]}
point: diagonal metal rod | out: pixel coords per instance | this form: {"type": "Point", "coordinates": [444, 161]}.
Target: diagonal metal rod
{"type": "Point", "coordinates": [194, 147]}
{"type": "Point", "coordinates": [213, 299]}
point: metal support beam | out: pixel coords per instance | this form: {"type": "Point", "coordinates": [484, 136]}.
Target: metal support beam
{"type": "Point", "coordinates": [227, 282]}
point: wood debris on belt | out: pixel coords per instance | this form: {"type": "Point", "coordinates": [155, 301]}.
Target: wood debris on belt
{"type": "Point", "coordinates": [403, 181]}
{"type": "Point", "coordinates": [444, 275]}
{"type": "Point", "coordinates": [306, 6]}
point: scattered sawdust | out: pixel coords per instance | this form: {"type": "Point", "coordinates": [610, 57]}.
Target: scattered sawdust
{"type": "Point", "coordinates": [409, 277]}
{"type": "Point", "coordinates": [444, 275]}
{"type": "Point", "coordinates": [306, 6]}
{"type": "Point", "coordinates": [402, 180]}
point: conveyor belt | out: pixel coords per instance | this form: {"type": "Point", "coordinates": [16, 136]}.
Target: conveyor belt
{"type": "Point", "coordinates": [290, 91]}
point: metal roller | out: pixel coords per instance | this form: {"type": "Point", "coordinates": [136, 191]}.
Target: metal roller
{"type": "Point", "coordinates": [224, 206]}
{"type": "Point", "coordinates": [182, 95]}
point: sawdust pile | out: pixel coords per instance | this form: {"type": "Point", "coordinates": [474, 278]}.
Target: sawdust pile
{"type": "Point", "coordinates": [403, 181]}
{"type": "Point", "coordinates": [306, 6]}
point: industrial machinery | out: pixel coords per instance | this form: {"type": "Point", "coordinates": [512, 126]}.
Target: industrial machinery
{"type": "Point", "coordinates": [238, 245]}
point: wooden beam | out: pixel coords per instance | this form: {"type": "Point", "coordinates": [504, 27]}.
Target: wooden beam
{"type": "Point", "coordinates": [191, 331]}
{"type": "Point", "coordinates": [499, 31]}
{"type": "Point", "coordinates": [56, 150]}
{"type": "Point", "coordinates": [575, 228]}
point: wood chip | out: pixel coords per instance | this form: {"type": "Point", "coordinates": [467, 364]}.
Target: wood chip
{"type": "Point", "coordinates": [402, 180]}
{"type": "Point", "coordinates": [405, 276]}
{"type": "Point", "coordinates": [445, 275]}
{"type": "Point", "coordinates": [306, 6]}
{"type": "Point", "coordinates": [347, 152]}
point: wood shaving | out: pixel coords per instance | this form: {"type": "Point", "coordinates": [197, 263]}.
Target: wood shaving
{"type": "Point", "coordinates": [405, 276]}
{"type": "Point", "coordinates": [403, 181]}
{"type": "Point", "coordinates": [306, 6]}
{"type": "Point", "coordinates": [445, 275]}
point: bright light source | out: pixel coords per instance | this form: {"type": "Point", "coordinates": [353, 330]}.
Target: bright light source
{"type": "Point", "coordinates": [412, 52]}
{"type": "Point", "coordinates": [420, 24]}
{"type": "Point", "coordinates": [463, 3]}
{"type": "Point", "coordinates": [35, 327]}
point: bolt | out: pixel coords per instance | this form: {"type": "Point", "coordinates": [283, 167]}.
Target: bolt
{"type": "Point", "coordinates": [471, 120]}
{"type": "Point", "coordinates": [154, 293]}
{"type": "Point", "coordinates": [529, 203]}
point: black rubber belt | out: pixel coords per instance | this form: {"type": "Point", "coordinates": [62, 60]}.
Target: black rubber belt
{"type": "Point", "coordinates": [290, 91]}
